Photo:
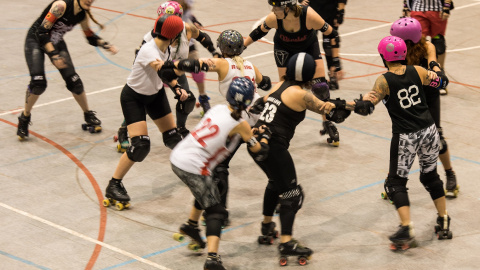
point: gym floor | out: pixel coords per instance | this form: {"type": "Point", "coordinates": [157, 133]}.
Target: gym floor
{"type": "Point", "coordinates": [52, 184]}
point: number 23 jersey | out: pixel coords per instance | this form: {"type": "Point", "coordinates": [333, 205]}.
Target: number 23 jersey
{"type": "Point", "coordinates": [406, 103]}
{"type": "Point", "coordinates": [208, 143]}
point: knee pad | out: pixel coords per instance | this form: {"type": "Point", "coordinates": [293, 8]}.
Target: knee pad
{"type": "Point", "coordinates": [186, 106]}
{"type": "Point", "coordinates": [139, 148]}
{"type": "Point", "coordinates": [214, 219]}
{"type": "Point", "coordinates": [443, 143]}
{"type": "Point", "coordinates": [433, 184]}
{"type": "Point", "coordinates": [320, 88]}
{"type": "Point", "coordinates": [171, 138]}
{"type": "Point", "coordinates": [440, 44]}
{"type": "Point", "coordinates": [74, 84]}
{"type": "Point", "coordinates": [292, 199]}
{"type": "Point", "coordinates": [199, 77]}
{"type": "Point", "coordinates": [37, 85]}
{"type": "Point", "coordinates": [397, 191]}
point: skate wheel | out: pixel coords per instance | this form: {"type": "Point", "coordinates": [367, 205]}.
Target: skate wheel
{"type": "Point", "coordinates": [384, 195]}
{"type": "Point", "coordinates": [275, 234]}
{"type": "Point", "coordinates": [202, 113]}
{"type": "Point", "coordinates": [106, 202]}
{"type": "Point", "coordinates": [197, 104]}
{"type": "Point", "coordinates": [455, 192]}
{"type": "Point", "coordinates": [302, 260]}
{"type": "Point", "coordinates": [393, 246]}
{"type": "Point", "coordinates": [84, 126]}
{"type": "Point", "coordinates": [329, 140]}
{"type": "Point", "coordinates": [98, 129]}
{"type": "Point", "coordinates": [283, 261]}
{"type": "Point", "coordinates": [20, 138]}
{"type": "Point", "coordinates": [119, 206]}
{"type": "Point", "coordinates": [178, 237]}
{"type": "Point", "coordinates": [261, 240]}
{"type": "Point", "coordinates": [449, 235]}
{"type": "Point", "coordinates": [194, 247]}
{"type": "Point", "coordinates": [437, 228]}
{"type": "Point", "coordinates": [336, 144]}
{"type": "Point", "coordinates": [127, 205]}
{"type": "Point", "coordinates": [322, 132]}
{"type": "Point", "coordinates": [115, 138]}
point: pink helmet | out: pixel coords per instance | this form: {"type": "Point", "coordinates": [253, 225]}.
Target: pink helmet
{"type": "Point", "coordinates": [170, 7]}
{"type": "Point", "coordinates": [392, 48]}
{"type": "Point", "coordinates": [407, 28]}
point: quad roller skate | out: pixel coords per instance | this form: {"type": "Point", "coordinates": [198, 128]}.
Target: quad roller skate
{"type": "Point", "coordinates": [403, 239]}
{"type": "Point", "coordinates": [197, 244]}
{"type": "Point", "coordinates": [203, 100]}
{"type": "Point", "coordinates": [268, 234]}
{"type": "Point", "coordinates": [293, 248]}
{"type": "Point", "coordinates": [452, 188]}
{"type": "Point", "coordinates": [92, 122]}
{"type": "Point", "coordinates": [330, 129]}
{"type": "Point", "coordinates": [116, 194]}
{"type": "Point", "coordinates": [442, 229]}
{"type": "Point", "coordinates": [122, 138]}
{"type": "Point", "coordinates": [22, 128]}
{"type": "Point", "coordinates": [214, 263]}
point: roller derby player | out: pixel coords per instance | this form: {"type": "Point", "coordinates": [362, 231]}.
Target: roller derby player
{"type": "Point", "coordinates": [144, 94]}
{"type": "Point", "coordinates": [211, 141]}
{"type": "Point", "coordinates": [422, 52]}
{"type": "Point", "coordinates": [45, 36]}
{"type": "Point", "coordinates": [282, 109]}
{"type": "Point", "coordinates": [414, 134]}
{"type": "Point", "coordinates": [296, 31]}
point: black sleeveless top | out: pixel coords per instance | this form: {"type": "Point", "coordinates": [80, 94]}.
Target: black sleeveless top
{"type": "Point", "coordinates": [406, 103]}
{"type": "Point", "coordinates": [303, 38]}
{"type": "Point", "coordinates": [63, 25]}
{"type": "Point", "coordinates": [281, 120]}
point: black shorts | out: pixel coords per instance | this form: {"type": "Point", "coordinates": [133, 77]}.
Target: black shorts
{"type": "Point", "coordinates": [136, 106]}
{"type": "Point", "coordinates": [282, 54]}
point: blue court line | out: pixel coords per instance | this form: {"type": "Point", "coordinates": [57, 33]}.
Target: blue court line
{"type": "Point", "coordinates": [23, 260]}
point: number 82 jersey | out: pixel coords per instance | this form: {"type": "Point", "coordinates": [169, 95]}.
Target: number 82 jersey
{"type": "Point", "coordinates": [406, 103]}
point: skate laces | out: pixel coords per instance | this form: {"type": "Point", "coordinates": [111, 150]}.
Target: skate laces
{"type": "Point", "coordinates": [121, 188]}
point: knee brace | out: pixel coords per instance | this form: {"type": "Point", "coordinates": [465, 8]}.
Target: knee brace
{"type": "Point", "coordinates": [74, 84]}
{"type": "Point", "coordinates": [214, 219]}
{"type": "Point", "coordinates": [320, 88]}
{"type": "Point", "coordinates": [139, 148]}
{"type": "Point", "coordinates": [443, 143]}
{"type": "Point", "coordinates": [37, 85]}
{"type": "Point", "coordinates": [433, 184]}
{"type": "Point", "coordinates": [292, 199]}
{"type": "Point", "coordinates": [171, 138]}
{"type": "Point", "coordinates": [186, 106]}
{"type": "Point", "coordinates": [397, 191]}
{"type": "Point", "coordinates": [199, 77]}
{"type": "Point", "coordinates": [440, 44]}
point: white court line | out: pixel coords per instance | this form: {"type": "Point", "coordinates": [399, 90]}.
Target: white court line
{"type": "Point", "coordinates": [84, 237]}
{"type": "Point", "coordinates": [61, 100]}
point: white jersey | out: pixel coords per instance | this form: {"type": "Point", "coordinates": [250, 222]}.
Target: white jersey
{"type": "Point", "coordinates": [143, 79]}
{"type": "Point", "coordinates": [234, 72]}
{"type": "Point", "coordinates": [180, 51]}
{"type": "Point", "coordinates": [208, 143]}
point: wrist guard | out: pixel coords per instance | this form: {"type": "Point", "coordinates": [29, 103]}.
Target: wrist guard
{"type": "Point", "coordinates": [433, 64]}
{"type": "Point", "coordinates": [266, 134]}
{"type": "Point", "coordinates": [363, 107]}
{"type": "Point", "coordinates": [93, 40]}
{"type": "Point", "coordinates": [174, 89]}
{"type": "Point", "coordinates": [339, 103]}
{"type": "Point", "coordinates": [265, 84]}
{"type": "Point", "coordinates": [257, 106]}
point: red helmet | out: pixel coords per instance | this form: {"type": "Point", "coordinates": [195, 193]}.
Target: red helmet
{"type": "Point", "coordinates": [168, 26]}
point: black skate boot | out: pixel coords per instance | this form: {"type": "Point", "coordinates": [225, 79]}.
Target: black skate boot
{"type": "Point", "coordinates": [203, 101]}
{"type": "Point", "coordinates": [333, 83]}
{"type": "Point", "coordinates": [452, 188]}
{"type": "Point", "coordinates": [330, 129]}
{"type": "Point", "coordinates": [268, 234]}
{"type": "Point", "coordinates": [403, 239]}
{"type": "Point", "coordinates": [22, 128]}
{"type": "Point", "coordinates": [293, 248]}
{"type": "Point", "coordinates": [197, 243]}
{"type": "Point", "coordinates": [442, 229]}
{"type": "Point", "coordinates": [214, 263]}
{"type": "Point", "coordinates": [92, 122]}
{"type": "Point", "coordinates": [116, 193]}
{"type": "Point", "coordinates": [122, 139]}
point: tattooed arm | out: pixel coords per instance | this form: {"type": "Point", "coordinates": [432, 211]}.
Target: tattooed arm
{"type": "Point", "coordinates": [314, 104]}
{"type": "Point", "coordinates": [379, 91]}
{"type": "Point", "coordinates": [56, 11]}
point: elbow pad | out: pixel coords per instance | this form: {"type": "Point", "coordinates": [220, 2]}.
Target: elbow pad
{"type": "Point", "coordinates": [191, 65]}
{"type": "Point", "coordinates": [257, 33]}
{"type": "Point", "coordinates": [206, 41]}
{"type": "Point", "coordinates": [167, 75]}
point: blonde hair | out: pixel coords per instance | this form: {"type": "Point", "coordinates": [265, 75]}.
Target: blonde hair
{"type": "Point", "coordinates": [239, 63]}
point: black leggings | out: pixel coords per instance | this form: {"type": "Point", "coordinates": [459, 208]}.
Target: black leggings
{"type": "Point", "coordinates": [433, 102]}
{"type": "Point", "coordinates": [35, 57]}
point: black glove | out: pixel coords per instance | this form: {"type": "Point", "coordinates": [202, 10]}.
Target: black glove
{"type": "Point", "coordinates": [257, 106]}
{"type": "Point", "coordinates": [267, 133]}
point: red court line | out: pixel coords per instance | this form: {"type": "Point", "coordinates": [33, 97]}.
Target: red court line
{"type": "Point", "coordinates": [103, 211]}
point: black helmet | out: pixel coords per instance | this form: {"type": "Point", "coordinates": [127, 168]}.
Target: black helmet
{"type": "Point", "coordinates": [282, 3]}
{"type": "Point", "coordinates": [301, 67]}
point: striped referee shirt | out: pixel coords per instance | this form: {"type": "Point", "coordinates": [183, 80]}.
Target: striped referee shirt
{"type": "Point", "coordinates": [426, 5]}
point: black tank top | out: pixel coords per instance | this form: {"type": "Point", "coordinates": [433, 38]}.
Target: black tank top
{"type": "Point", "coordinates": [303, 38]}
{"type": "Point", "coordinates": [281, 120]}
{"type": "Point", "coordinates": [406, 103]}
{"type": "Point", "coordinates": [62, 25]}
